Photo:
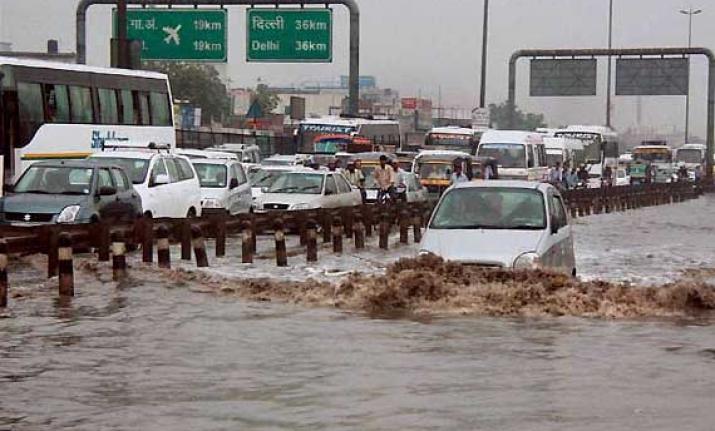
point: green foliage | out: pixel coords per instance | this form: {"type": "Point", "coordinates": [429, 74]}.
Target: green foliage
{"type": "Point", "coordinates": [500, 118]}
{"type": "Point", "coordinates": [198, 84]}
{"type": "Point", "coordinates": [267, 100]}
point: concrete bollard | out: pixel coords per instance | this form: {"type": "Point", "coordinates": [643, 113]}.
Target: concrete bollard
{"type": "Point", "coordinates": [119, 259]}
{"type": "Point", "coordinates": [300, 222]}
{"type": "Point", "coordinates": [64, 265]}
{"type": "Point", "coordinates": [185, 239]}
{"type": "Point", "coordinates": [347, 216]}
{"type": "Point", "coordinates": [199, 245]}
{"type": "Point", "coordinates": [246, 245]}
{"type": "Point", "coordinates": [312, 241]}
{"type": "Point", "coordinates": [254, 239]}
{"type": "Point", "coordinates": [417, 226]}
{"type": "Point", "coordinates": [367, 219]}
{"type": "Point", "coordinates": [3, 274]}
{"type": "Point", "coordinates": [219, 223]}
{"type": "Point", "coordinates": [384, 232]}
{"type": "Point", "coordinates": [279, 234]}
{"type": "Point", "coordinates": [404, 227]}
{"type": "Point", "coordinates": [337, 235]}
{"type": "Point", "coordinates": [327, 220]}
{"type": "Point", "coordinates": [163, 247]}
{"type": "Point", "coordinates": [52, 238]}
{"type": "Point", "coordinates": [147, 235]}
{"type": "Point", "coordinates": [359, 232]}
{"type": "Point", "coordinates": [104, 242]}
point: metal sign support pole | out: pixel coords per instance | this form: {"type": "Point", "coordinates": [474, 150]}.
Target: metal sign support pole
{"type": "Point", "coordinates": [553, 53]}
{"type": "Point", "coordinates": [352, 6]}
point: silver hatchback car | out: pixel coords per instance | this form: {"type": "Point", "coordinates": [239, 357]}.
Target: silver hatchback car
{"type": "Point", "coordinates": [504, 224]}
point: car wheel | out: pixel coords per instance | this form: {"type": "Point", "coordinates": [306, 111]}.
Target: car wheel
{"type": "Point", "coordinates": [191, 213]}
{"type": "Point", "coordinates": [148, 214]}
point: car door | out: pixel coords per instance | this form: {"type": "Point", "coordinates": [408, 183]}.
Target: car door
{"type": "Point", "coordinates": [129, 199]}
{"type": "Point", "coordinates": [159, 201]}
{"type": "Point", "coordinates": [190, 187]}
{"type": "Point", "coordinates": [331, 197]}
{"type": "Point", "coordinates": [344, 191]}
{"type": "Point", "coordinates": [560, 255]}
{"type": "Point", "coordinates": [108, 207]}
{"type": "Point", "coordinates": [243, 191]}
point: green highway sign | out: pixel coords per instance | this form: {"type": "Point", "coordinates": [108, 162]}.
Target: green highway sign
{"type": "Point", "coordinates": [179, 34]}
{"type": "Point", "coordinates": [289, 35]}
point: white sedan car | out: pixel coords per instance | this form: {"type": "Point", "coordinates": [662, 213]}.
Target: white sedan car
{"type": "Point", "coordinates": [502, 224]}
{"type": "Point", "coordinates": [303, 189]}
{"type": "Point", "coordinates": [224, 186]}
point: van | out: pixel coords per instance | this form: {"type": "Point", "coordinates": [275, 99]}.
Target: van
{"type": "Point", "coordinates": [565, 151]}
{"type": "Point", "coordinates": [520, 155]}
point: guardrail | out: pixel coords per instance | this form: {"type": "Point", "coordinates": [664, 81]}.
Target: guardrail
{"type": "Point", "coordinates": [334, 225]}
{"type": "Point", "coordinates": [584, 202]}
{"type": "Point", "coordinates": [59, 241]}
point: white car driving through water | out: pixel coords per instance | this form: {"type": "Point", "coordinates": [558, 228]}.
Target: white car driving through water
{"type": "Point", "coordinates": [224, 186]}
{"type": "Point", "coordinates": [303, 189]}
{"type": "Point", "coordinates": [502, 224]}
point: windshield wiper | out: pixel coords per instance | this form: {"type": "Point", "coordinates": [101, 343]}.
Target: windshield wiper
{"type": "Point", "coordinates": [283, 190]}
{"type": "Point", "coordinates": [306, 188]}
{"type": "Point", "coordinates": [72, 193]}
{"type": "Point", "coordinates": [41, 192]}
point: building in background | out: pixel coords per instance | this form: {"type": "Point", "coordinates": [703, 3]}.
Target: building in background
{"type": "Point", "coordinates": [52, 54]}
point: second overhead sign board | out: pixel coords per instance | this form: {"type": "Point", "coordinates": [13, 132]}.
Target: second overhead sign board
{"type": "Point", "coordinates": [289, 35]}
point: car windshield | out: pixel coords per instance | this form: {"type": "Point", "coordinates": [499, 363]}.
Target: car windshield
{"type": "Point", "coordinates": [262, 177]}
{"type": "Point", "coordinates": [212, 175]}
{"type": "Point", "coordinates": [507, 155]}
{"type": "Point", "coordinates": [689, 156]}
{"type": "Point", "coordinates": [434, 170]}
{"type": "Point", "coordinates": [135, 169]}
{"type": "Point", "coordinates": [491, 208]}
{"type": "Point", "coordinates": [297, 182]}
{"type": "Point", "coordinates": [55, 180]}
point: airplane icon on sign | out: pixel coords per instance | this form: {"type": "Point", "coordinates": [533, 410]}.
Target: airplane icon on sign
{"type": "Point", "coordinates": [172, 35]}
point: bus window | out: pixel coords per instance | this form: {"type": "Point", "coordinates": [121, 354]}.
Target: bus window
{"type": "Point", "coordinates": [160, 115]}
{"type": "Point", "coordinates": [57, 103]}
{"type": "Point", "coordinates": [141, 101]}
{"type": "Point", "coordinates": [31, 111]}
{"type": "Point", "coordinates": [108, 106]}
{"type": "Point", "coordinates": [127, 109]}
{"type": "Point", "coordinates": [81, 103]}
{"type": "Point", "coordinates": [530, 156]}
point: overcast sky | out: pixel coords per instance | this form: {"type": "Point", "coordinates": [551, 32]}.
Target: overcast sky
{"type": "Point", "coordinates": [418, 46]}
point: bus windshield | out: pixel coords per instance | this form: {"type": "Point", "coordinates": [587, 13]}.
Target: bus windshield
{"type": "Point", "coordinates": [689, 155]}
{"type": "Point", "coordinates": [554, 157]}
{"type": "Point", "coordinates": [506, 155]}
{"type": "Point", "coordinates": [652, 155]}
{"type": "Point", "coordinates": [448, 140]}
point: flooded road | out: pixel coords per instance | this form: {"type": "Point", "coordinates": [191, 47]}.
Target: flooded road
{"type": "Point", "coordinates": [156, 355]}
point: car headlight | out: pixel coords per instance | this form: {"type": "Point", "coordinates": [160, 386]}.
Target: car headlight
{"type": "Point", "coordinates": [212, 203]}
{"type": "Point", "coordinates": [528, 261]}
{"type": "Point", "coordinates": [302, 206]}
{"type": "Point", "coordinates": [69, 214]}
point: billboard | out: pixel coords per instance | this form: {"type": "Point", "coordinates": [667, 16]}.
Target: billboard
{"type": "Point", "coordinates": [551, 78]}
{"type": "Point", "coordinates": [652, 76]}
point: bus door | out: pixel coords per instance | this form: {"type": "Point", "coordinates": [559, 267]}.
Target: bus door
{"type": "Point", "coordinates": [8, 134]}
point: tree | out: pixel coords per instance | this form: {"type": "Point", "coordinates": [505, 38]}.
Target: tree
{"type": "Point", "coordinates": [500, 117]}
{"type": "Point", "coordinates": [200, 85]}
{"type": "Point", "coordinates": [266, 99]}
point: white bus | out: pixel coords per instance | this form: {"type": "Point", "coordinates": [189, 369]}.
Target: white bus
{"type": "Point", "coordinates": [453, 138]}
{"type": "Point", "coordinates": [347, 134]}
{"type": "Point", "coordinates": [520, 155]}
{"type": "Point", "coordinates": [67, 111]}
{"type": "Point", "coordinates": [600, 146]}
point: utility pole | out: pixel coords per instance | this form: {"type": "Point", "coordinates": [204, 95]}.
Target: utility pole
{"type": "Point", "coordinates": [608, 74]}
{"type": "Point", "coordinates": [690, 12]}
{"type": "Point", "coordinates": [122, 45]}
{"type": "Point", "coordinates": [483, 81]}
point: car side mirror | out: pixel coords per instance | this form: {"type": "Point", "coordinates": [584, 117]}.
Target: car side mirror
{"type": "Point", "coordinates": [233, 184]}
{"type": "Point", "coordinates": [264, 189]}
{"type": "Point", "coordinates": [555, 226]}
{"type": "Point", "coordinates": [107, 191]}
{"type": "Point", "coordinates": [246, 160]}
{"type": "Point", "coordinates": [8, 188]}
{"type": "Point", "coordinates": [161, 179]}
{"type": "Point", "coordinates": [329, 192]}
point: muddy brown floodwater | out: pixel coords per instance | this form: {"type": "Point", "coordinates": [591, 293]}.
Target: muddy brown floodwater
{"type": "Point", "coordinates": [154, 354]}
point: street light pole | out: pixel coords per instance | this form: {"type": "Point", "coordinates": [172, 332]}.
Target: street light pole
{"type": "Point", "coordinates": [690, 12]}
{"type": "Point", "coordinates": [608, 74]}
{"type": "Point", "coordinates": [483, 82]}
{"type": "Point", "coordinates": [122, 34]}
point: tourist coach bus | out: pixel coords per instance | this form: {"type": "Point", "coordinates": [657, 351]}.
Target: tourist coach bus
{"type": "Point", "coordinates": [347, 134]}
{"type": "Point", "coordinates": [67, 111]}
